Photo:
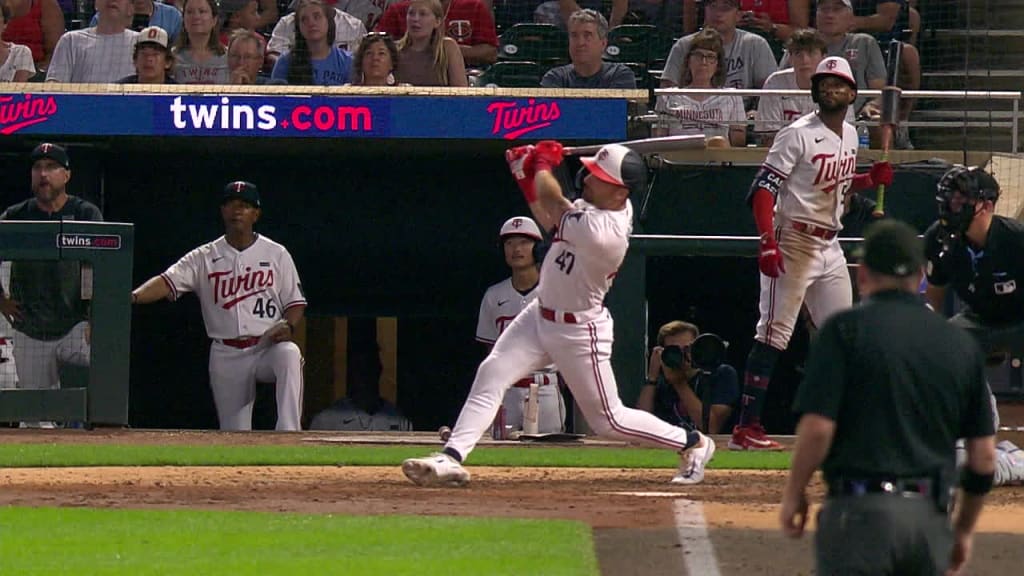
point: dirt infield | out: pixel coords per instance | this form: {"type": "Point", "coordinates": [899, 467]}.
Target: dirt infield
{"type": "Point", "coordinates": [634, 513]}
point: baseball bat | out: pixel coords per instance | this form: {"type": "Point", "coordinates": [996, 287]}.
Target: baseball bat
{"type": "Point", "coordinates": [890, 115]}
{"type": "Point", "coordinates": [645, 145]}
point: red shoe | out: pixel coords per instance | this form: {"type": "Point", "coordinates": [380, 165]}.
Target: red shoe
{"type": "Point", "coordinates": [752, 437]}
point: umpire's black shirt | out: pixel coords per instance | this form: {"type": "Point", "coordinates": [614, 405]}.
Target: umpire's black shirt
{"type": "Point", "coordinates": [989, 280]}
{"type": "Point", "coordinates": [901, 384]}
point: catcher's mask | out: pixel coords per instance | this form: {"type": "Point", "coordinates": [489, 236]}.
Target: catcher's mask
{"type": "Point", "coordinates": [974, 185]}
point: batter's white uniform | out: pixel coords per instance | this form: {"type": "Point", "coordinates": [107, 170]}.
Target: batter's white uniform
{"type": "Point", "coordinates": [500, 305]}
{"type": "Point", "coordinates": [809, 169]}
{"type": "Point", "coordinates": [243, 293]}
{"type": "Point", "coordinates": [567, 324]}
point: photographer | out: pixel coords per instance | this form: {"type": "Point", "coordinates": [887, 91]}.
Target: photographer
{"type": "Point", "coordinates": [674, 388]}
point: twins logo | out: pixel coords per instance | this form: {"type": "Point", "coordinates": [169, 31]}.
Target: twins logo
{"type": "Point", "coordinates": [229, 290]}
{"type": "Point", "coordinates": [460, 31]}
{"type": "Point", "coordinates": [833, 171]}
{"type": "Point", "coordinates": [512, 120]}
{"type": "Point", "coordinates": [15, 115]}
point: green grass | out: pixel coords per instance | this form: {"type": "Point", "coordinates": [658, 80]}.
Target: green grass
{"type": "Point", "coordinates": [201, 543]}
{"type": "Point", "coordinates": [50, 455]}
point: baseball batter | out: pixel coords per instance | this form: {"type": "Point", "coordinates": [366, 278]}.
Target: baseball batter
{"type": "Point", "coordinates": [252, 300]}
{"type": "Point", "coordinates": [567, 324]}
{"type": "Point", "coordinates": [520, 238]}
{"type": "Point", "coordinates": [798, 198]}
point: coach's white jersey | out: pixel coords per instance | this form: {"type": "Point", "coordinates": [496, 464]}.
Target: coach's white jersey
{"type": "Point", "coordinates": [501, 304]}
{"type": "Point", "coordinates": [586, 251]}
{"type": "Point", "coordinates": [774, 112]}
{"type": "Point", "coordinates": [243, 293]}
{"type": "Point", "coordinates": [816, 167]}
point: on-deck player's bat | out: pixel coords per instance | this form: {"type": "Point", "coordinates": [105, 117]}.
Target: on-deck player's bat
{"type": "Point", "coordinates": [646, 145]}
{"type": "Point", "coordinates": [890, 116]}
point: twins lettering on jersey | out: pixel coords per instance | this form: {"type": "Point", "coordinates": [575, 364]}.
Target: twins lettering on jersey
{"type": "Point", "coordinates": [832, 171]}
{"type": "Point", "coordinates": [226, 286]}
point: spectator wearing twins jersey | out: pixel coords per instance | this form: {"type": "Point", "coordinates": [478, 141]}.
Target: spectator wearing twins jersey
{"type": "Point", "coordinates": [252, 300]}
{"type": "Point", "coordinates": [520, 239]}
{"type": "Point", "coordinates": [798, 198]}
{"type": "Point", "coordinates": [708, 114]}
{"type": "Point", "coordinates": [806, 49]}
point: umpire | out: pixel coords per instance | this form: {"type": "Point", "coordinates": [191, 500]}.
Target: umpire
{"type": "Point", "coordinates": [889, 387]}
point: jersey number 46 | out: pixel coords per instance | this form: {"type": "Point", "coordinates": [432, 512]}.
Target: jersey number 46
{"type": "Point", "coordinates": [264, 308]}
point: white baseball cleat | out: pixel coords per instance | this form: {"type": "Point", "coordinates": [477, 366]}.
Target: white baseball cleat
{"type": "Point", "coordinates": [435, 470]}
{"type": "Point", "coordinates": [691, 469]}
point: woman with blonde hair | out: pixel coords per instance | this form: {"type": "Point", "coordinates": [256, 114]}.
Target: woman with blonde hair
{"type": "Point", "coordinates": [718, 116]}
{"type": "Point", "coordinates": [199, 57]}
{"type": "Point", "coordinates": [426, 56]}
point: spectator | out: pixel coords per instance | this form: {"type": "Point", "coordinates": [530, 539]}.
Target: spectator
{"type": "Point", "coordinates": [588, 37]}
{"type": "Point", "coordinates": [245, 59]}
{"type": "Point", "coordinates": [362, 409]}
{"type": "Point", "coordinates": [314, 59]}
{"type": "Point", "coordinates": [45, 304]}
{"type": "Point", "coordinates": [675, 389]}
{"type": "Point", "coordinates": [147, 13]}
{"type": "Point", "coordinates": [368, 12]}
{"type": "Point", "coordinates": [238, 15]}
{"type": "Point", "coordinates": [15, 60]}
{"type": "Point", "coordinates": [99, 54]}
{"type": "Point", "coordinates": [468, 22]}
{"type": "Point", "coordinates": [776, 20]}
{"type": "Point", "coordinates": [152, 57]}
{"type": "Point", "coordinates": [375, 61]}
{"type": "Point", "coordinates": [348, 30]}
{"type": "Point", "coordinates": [37, 24]}
{"type": "Point", "coordinates": [199, 57]}
{"type": "Point", "coordinates": [268, 13]}
{"type": "Point", "coordinates": [426, 57]}
{"type": "Point", "coordinates": [718, 115]}
{"type": "Point", "coordinates": [882, 19]}
{"type": "Point", "coordinates": [748, 58]}
{"type": "Point", "coordinates": [806, 48]}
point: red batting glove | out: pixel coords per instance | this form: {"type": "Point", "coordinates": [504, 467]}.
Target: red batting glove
{"type": "Point", "coordinates": [881, 173]}
{"type": "Point", "coordinates": [521, 163]}
{"type": "Point", "coordinates": [549, 154]}
{"type": "Point", "coordinates": [769, 258]}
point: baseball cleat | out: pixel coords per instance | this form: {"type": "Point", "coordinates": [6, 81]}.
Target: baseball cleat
{"type": "Point", "coordinates": [752, 437]}
{"type": "Point", "coordinates": [435, 470]}
{"type": "Point", "coordinates": [691, 469]}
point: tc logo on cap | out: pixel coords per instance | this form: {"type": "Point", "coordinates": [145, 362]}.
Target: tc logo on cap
{"type": "Point", "coordinates": [831, 65]}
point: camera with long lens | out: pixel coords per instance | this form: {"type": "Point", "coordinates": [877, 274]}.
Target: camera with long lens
{"type": "Point", "coordinates": [673, 356]}
{"type": "Point", "coordinates": [706, 353]}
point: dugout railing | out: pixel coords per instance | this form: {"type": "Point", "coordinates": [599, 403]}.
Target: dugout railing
{"type": "Point", "coordinates": [105, 251]}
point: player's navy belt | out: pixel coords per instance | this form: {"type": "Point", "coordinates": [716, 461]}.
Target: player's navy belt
{"type": "Point", "coordinates": [908, 487]}
{"type": "Point", "coordinates": [542, 379]}
{"type": "Point", "coordinates": [241, 343]}
{"type": "Point", "coordinates": [816, 231]}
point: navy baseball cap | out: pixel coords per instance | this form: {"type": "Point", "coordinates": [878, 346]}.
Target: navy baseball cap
{"type": "Point", "coordinates": [243, 190]}
{"type": "Point", "coordinates": [892, 248]}
{"type": "Point", "coordinates": [52, 152]}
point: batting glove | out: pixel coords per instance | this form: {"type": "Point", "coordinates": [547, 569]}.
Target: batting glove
{"type": "Point", "coordinates": [521, 163]}
{"type": "Point", "coordinates": [881, 173]}
{"type": "Point", "coordinates": [549, 154]}
{"type": "Point", "coordinates": [769, 259]}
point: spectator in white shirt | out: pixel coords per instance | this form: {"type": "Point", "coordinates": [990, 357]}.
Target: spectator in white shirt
{"type": "Point", "coordinates": [102, 54]}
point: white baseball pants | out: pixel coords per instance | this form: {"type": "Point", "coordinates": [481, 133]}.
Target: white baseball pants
{"type": "Point", "coordinates": [38, 360]}
{"type": "Point", "coordinates": [233, 376]}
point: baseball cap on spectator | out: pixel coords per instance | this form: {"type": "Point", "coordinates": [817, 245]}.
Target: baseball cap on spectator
{"type": "Point", "coordinates": [242, 190]}
{"type": "Point", "coordinates": [618, 165]}
{"type": "Point", "coordinates": [52, 152]}
{"type": "Point", "coordinates": [153, 35]}
{"type": "Point", "coordinates": [892, 248]}
{"type": "Point", "coordinates": [847, 3]}
{"type": "Point", "coordinates": [520, 226]}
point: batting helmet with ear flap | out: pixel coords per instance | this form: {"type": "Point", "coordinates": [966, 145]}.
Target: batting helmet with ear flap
{"type": "Point", "coordinates": [525, 226]}
{"type": "Point", "coordinates": [832, 66]}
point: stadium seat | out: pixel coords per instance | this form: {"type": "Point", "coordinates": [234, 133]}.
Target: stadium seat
{"type": "Point", "coordinates": [541, 43]}
{"type": "Point", "coordinates": [632, 43]}
{"type": "Point", "coordinates": [509, 74]}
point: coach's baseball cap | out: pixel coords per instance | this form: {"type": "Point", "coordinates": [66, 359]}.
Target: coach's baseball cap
{"type": "Point", "coordinates": [835, 66]}
{"type": "Point", "coordinates": [520, 226]}
{"type": "Point", "coordinates": [892, 248]}
{"type": "Point", "coordinates": [51, 151]}
{"type": "Point", "coordinates": [152, 35]}
{"type": "Point", "coordinates": [616, 164]}
{"type": "Point", "coordinates": [243, 190]}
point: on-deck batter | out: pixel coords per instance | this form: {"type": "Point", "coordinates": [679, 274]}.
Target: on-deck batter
{"type": "Point", "coordinates": [798, 198]}
{"type": "Point", "coordinates": [568, 324]}
{"type": "Point", "coordinates": [252, 300]}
